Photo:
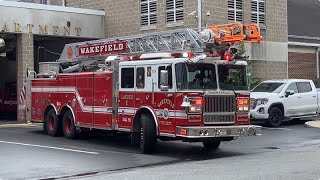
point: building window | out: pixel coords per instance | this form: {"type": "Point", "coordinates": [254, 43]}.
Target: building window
{"type": "Point", "coordinates": [235, 10]}
{"type": "Point", "coordinates": [44, 1]}
{"type": "Point", "coordinates": [148, 12]}
{"type": "Point", "coordinates": [174, 11]}
{"type": "Point", "coordinates": [127, 78]}
{"type": "Point", "coordinates": [140, 78]}
{"type": "Point", "coordinates": [258, 11]}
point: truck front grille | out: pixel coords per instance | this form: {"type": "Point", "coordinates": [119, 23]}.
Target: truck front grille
{"type": "Point", "coordinates": [219, 109]}
{"type": "Point", "coordinates": [219, 118]}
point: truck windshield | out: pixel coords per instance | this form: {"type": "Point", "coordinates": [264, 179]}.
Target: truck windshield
{"type": "Point", "coordinates": [270, 87]}
{"type": "Point", "coordinates": [196, 76]}
{"type": "Point", "coordinates": [232, 77]}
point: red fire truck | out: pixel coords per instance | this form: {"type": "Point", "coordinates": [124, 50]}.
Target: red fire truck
{"type": "Point", "coordinates": [173, 85]}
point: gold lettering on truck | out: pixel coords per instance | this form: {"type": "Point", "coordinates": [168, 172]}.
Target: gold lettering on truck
{"type": "Point", "coordinates": [166, 101]}
{"type": "Point", "coordinates": [127, 97]}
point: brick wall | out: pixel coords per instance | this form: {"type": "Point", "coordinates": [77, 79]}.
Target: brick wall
{"type": "Point", "coordinates": [276, 21]}
{"type": "Point", "coordinates": [123, 16]}
{"type": "Point", "coordinates": [302, 65]}
{"type": "Point", "coordinates": [25, 51]}
{"type": "Point", "coordinates": [268, 69]}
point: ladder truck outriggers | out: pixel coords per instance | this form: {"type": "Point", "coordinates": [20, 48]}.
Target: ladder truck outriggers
{"type": "Point", "coordinates": [173, 85]}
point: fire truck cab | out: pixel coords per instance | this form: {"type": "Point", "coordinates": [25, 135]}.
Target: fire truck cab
{"type": "Point", "coordinates": [166, 95]}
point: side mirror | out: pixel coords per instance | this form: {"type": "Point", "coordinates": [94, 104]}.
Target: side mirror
{"type": "Point", "coordinates": [164, 80]}
{"type": "Point", "coordinates": [289, 92]}
{"type": "Point", "coordinates": [2, 48]}
{"type": "Point", "coordinates": [249, 81]}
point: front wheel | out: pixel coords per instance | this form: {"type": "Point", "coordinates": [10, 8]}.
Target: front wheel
{"type": "Point", "coordinates": [275, 117]}
{"type": "Point", "coordinates": [211, 145]}
{"type": "Point", "coordinates": [148, 136]}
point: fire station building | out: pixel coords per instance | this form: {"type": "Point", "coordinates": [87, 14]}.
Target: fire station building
{"type": "Point", "coordinates": [33, 33]}
{"type": "Point", "coordinates": [36, 30]}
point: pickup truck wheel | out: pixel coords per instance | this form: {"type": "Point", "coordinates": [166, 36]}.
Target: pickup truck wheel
{"type": "Point", "coordinates": [148, 136]}
{"type": "Point", "coordinates": [211, 145]}
{"type": "Point", "coordinates": [275, 117]}
{"type": "Point", "coordinates": [52, 123]}
{"type": "Point", "coordinates": [69, 129]}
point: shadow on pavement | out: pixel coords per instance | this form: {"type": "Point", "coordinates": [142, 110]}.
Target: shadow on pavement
{"type": "Point", "coordinates": [122, 143]}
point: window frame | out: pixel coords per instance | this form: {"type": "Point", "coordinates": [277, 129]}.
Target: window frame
{"type": "Point", "coordinates": [122, 78]}
{"type": "Point", "coordinates": [296, 86]}
{"type": "Point", "coordinates": [235, 10]}
{"type": "Point", "coordinates": [257, 12]}
{"type": "Point", "coordinates": [148, 13]}
{"type": "Point", "coordinates": [299, 88]}
{"type": "Point", "coordinates": [46, 2]}
{"type": "Point", "coordinates": [174, 10]}
{"type": "Point", "coordinates": [170, 75]}
{"type": "Point", "coordinates": [143, 78]}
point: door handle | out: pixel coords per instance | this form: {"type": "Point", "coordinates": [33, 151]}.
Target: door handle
{"type": "Point", "coordinates": [299, 97]}
{"type": "Point", "coordinates": [314, 96]}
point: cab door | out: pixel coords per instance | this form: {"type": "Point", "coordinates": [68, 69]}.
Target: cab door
{"type": "Point", "coordinates": [164, 101]}
{"type": "Point", "coordinates": [127, 101]}
{"type": "Point", "coordinates": [309, 100]}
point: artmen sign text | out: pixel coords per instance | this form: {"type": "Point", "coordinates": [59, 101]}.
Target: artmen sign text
{"type": "Point", "coordinates": [18, 27]}
{"type": "Point", "coordinates": [16, 17]}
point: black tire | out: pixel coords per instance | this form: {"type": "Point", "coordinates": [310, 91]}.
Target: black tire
{"type": "Point", "coordinates": [51, 124]}
{"type": "Point", "coordinates": [148, 136]}
{"type": "Point", "coordinates": [69, 129]}
{"type": "Point", "coordinates": [211, 145]}
{"type": "Point", "coordinates": [275, 117]}
{"type": "Point", "coordinates": [44, 127]}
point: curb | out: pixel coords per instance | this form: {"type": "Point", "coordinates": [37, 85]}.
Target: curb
{"type": "Point", "coordinates": [19, 125]}
{"type": "Point", "coordinates": [312, 124]}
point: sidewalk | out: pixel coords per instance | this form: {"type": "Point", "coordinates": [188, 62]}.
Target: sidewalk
{"type": "Point", "coordinates": [12, 123]}
{"type": "Point", "coordinates": [313, 124]}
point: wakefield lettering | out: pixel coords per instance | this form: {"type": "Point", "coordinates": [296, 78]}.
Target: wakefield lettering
{"type": "Point", "coordinates": [39, 29]}
{"type": "Point", "coordinates": [102, 49]}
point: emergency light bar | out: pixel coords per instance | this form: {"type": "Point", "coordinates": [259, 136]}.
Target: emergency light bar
{"type": "Point", "coordinates": [166, 55]}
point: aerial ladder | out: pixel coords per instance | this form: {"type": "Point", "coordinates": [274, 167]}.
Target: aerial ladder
{"type": "Point", "coordinates": [215, 41]}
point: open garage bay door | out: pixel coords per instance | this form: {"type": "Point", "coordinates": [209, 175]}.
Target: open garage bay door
{"type": "Point", "coordinates": [8, 77]}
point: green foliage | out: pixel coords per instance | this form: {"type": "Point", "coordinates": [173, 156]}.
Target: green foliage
{"type": "Point", "coordinates": [254, 81]}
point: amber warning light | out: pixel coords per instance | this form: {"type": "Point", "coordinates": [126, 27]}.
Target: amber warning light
{"type": "Point", "coordinates": [106, 48]}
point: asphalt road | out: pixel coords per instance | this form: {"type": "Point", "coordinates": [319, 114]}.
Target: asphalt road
{"type": "Point", "coordinates": [27, 153]}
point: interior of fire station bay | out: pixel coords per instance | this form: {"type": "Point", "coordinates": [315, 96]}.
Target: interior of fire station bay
{"type": "Point", "coordinates": [25, 42]}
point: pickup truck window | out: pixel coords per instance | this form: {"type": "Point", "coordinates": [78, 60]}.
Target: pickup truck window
{"type": "Point", "coordinates": [293, 87]}
{"type": "Point", "coordinates": [271, 87]}
{"type": "Point", "coordinates": [304, 87]}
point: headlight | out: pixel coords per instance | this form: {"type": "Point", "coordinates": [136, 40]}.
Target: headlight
{"type": "Point", "coordinates": [193, 109]}
{"type": "Point", "coordinates": [243, 104]}
{"type": "Point", "coordinates": [262, 101]}
{"type": "Point", "coordinates": [195, 105]}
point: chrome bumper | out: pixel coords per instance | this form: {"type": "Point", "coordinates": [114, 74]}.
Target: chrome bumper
{"type": "Point", "coordinates": [218, 131]}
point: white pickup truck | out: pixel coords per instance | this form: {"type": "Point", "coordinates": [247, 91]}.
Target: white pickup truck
{"type": "Point", "coordinates": [274, 101]}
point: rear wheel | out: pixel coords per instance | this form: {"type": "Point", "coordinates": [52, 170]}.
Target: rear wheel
{"type": "Point", "coordinates": [211, 145]}
{"type": "Point", "coordinates": [148, 136]}
{"type": "Point", "coordinates": [69, 129]}
{"type": "Point", "coordinates": [51, 123]}
{"type": "Point", "coordinates": [275, 117]}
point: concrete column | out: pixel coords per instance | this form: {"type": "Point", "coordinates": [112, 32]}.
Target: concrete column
{"type": "Point", "coordinates": [25, 60]}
